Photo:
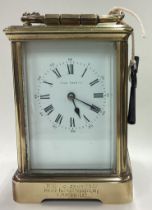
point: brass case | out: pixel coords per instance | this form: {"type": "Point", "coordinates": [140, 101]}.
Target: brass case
{"type": "Point", "coordinates": [114, 188]}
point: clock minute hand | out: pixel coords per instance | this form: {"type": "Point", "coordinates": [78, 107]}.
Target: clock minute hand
{"type": "Point", "coordinates": [71, 96]}
{"type": "Point", "coordinates": [92, 106]}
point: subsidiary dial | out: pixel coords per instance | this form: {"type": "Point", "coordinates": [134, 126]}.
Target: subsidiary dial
{"type": "Point", "coordinates": [71, 95]}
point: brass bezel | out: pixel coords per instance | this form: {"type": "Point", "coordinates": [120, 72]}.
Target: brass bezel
{"type": "Point", "coordinates": [105, 31]}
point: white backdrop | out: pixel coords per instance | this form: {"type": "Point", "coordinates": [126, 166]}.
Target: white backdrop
{"type": "Point", "coordinates": [140, 135]}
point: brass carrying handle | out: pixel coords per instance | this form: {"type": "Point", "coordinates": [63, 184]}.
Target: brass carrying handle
{"type": "Point", "coordinates": [69, 19]}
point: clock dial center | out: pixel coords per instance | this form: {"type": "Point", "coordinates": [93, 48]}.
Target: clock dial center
{"type": "Point", "coordinates": [71, 96]}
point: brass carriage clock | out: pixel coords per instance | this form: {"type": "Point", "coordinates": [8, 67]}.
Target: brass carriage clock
{"type": "Point", "coordinates": [70, 81]}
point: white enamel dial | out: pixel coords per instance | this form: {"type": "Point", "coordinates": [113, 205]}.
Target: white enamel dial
{"type": "Point", "coordinates": [81, 81]}
{"type": "Point", "coordinates": [70, 104]}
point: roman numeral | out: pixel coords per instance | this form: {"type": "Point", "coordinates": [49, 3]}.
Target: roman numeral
{"type": "Point", "coordinates": [72, 122]}
{"type": "Point", "coordinates": [59, 119]}
{"type": "Point", "coordinates": [49, 109]}
{"type": "Point", "coordinates": [98, 95]}
{"type": "Point", "coordinates": [47, 96]}
{"type": "Point", "coordinates": [70, 68]}
{"type": "Point", "coordinates": [49, 83]}
{"type": "Point", "coordinates": [94, 82]}
{"type": "Point", "coordinates": [57, 73]}
{"type": "Point", "coordinates": [86, 118]}
{"type": "Point", "coordinates": [84, 71]}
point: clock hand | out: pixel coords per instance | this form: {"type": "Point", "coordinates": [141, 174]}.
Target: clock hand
{"type": "Point", "coordinates": [94, 108]}
{"type": "Point", "coordinates": [77, 110]}
{"type": "Point", "coordinates": [71, 97]}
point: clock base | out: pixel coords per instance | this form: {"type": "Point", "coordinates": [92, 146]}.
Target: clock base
{"type": "Point", "coordinates": [112, 190]}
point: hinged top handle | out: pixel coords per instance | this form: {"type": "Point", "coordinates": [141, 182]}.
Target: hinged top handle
{"type": "Point", "coordinates": [69, 19]}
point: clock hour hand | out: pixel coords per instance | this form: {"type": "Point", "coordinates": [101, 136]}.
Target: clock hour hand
{"type": "Point", "coordinates": [77, 110]}
{"type": "Point", "coordinates": [71, 97]}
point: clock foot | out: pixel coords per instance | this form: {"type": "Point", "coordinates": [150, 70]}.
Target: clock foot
{"type": "Point", "coordinates": [114, 191]}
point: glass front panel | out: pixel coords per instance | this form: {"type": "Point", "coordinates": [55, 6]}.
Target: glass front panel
{"type": "Point", "coordinates": [70, 104]}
